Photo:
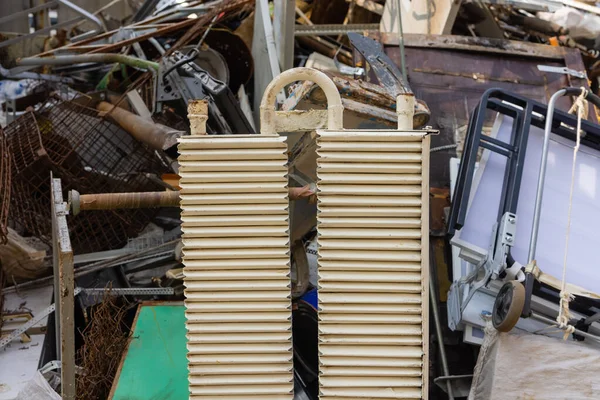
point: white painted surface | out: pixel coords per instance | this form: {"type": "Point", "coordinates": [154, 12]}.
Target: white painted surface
{"type": "Point", "coordinates": [19, 361]}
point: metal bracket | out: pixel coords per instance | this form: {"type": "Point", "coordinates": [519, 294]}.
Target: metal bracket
{"type": "Point", "coordinates": [562, 70]}
{"type": "Point", "coordinates": [167, 291]}
{"type": "Point", "coordinates": [34, 321]}
{"type": "Point", "coordinates": [505, 238]}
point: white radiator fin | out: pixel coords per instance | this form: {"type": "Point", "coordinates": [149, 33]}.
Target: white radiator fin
{"type": "Point", "coordinates": [234, 203]}
{"type": "Point", "coordinates": [372, 272]}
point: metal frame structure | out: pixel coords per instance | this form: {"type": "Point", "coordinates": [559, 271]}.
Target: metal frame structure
{"type": "Point", "coordinates": [84, 15]}
{"type": "Point", "coordinates": [498, 261]}
{"type": "Point", "coordinates": [64, 291]}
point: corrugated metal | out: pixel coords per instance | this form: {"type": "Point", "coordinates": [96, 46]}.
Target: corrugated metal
{"type": "Point", "coordinates": [372, 271]}
{"type": "Point", "coordinates": [236, 255]}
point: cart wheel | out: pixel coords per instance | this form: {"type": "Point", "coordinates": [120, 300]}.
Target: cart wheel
{"type": "Point", "coordinates": [508, 306]}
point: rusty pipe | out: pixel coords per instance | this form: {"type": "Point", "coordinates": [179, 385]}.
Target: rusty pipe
{"type": "Point", "coordinates": [118, 201]}
{"type": "Point", "coordinates": [157, 136]}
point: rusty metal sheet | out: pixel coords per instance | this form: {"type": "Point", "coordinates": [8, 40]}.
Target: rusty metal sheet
{"type": "Point", "coordinates": [372, 271]}
{"type": "Point", "coordinates": [236, 266]}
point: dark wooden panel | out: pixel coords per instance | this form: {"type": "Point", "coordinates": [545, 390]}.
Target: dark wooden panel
{"type": "Point", "coordinates": [451, 73]}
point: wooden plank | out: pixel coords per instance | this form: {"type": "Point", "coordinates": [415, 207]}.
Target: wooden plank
{"type": "Point", "coordinates": [478, 45]}
{"type": "Point", "coordinates": [451, 74]}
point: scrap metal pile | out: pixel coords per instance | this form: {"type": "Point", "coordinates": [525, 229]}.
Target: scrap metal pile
{"type": "Point", "coordinates": [96, 95]}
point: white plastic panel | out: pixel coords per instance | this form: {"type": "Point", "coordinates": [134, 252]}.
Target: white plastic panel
{"type": "Point", "coordinates": [373, 268]}
{"type": "Point", "coordinates": [483, 208]}
{"type": "Point", "coordinates": [236, 255]}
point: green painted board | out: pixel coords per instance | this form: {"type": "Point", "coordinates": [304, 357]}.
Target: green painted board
{"type": "Point", "coordinates": [155, 364]}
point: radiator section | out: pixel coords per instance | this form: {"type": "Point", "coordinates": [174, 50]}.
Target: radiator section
{"type": "Point", "coordinates": [373, 274]}
{"type": "Point", "coordinates": [234, 203]}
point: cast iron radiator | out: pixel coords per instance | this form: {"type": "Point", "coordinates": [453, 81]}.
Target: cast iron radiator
{"type": "Point", "coordinates": [373, 264]}
{"type": "Point", "coordinates": [234, 201]}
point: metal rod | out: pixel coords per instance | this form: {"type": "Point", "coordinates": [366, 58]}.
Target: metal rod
{"type": "Point", "coordinates": [401, 41]}
{"type": "Point", "coordinates": [27, 11]}
{"type": "Point", "coordinates": [84, 13]}
{"type": "Point", "coordinates": [107, 58]}
{"type": "Point", "coordinates": [39, 32]}
{"type": "Point", "coordinates": [542, 176]}
{"type": "Point", "coordinates": [105, 264]}
{"type": "Point", "coordinates": [554, 323]}
{"type": "Point", "coordinates": [438, 332]}
{"type": "Point", "coordinates": [333, 29]}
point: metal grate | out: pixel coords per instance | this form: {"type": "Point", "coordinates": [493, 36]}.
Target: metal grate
{"type": "Point", "coordinates": [90, 155]}
{"type": "Point", "coordinates": [372, 268]}
{"type": "Point", "coordinates": [5, 189]}
{"type": "Point", "coordinates": [236, 266]}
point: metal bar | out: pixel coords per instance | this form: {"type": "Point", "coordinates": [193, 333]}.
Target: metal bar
{"type": "Point", "coordinates": [401, 40]}
{"type": "Point", "coordinates": [498, 143]}
{"type": "Point", "coordinates": [495, 149]}
{"type": "Point", "coordinates": [554, 323]}
{"type": "Point", "coordinates": [39, 32]}
{"type": "Point", "coordinates": [29, 10]}
{"type": "Point", "coordinates": [167, 291]}
{"type": "Point", "coordinates": [107, 58]}
{"type": "Point", "coordinates": [101, 265]}
{"type": "Point", "coordinates": [537, 211]}
{"type": "Point", "coordinates": [84, 13]}
{"type": "Point", "coordinates": [17, 332]}
{"type": "Point", "coordinates": [29, 324]}
{"type": "Point", "coordinates": [333, 29]}
{"type": "Point", "coordinates": [63, 256]}
{"type": "Point", "coordinates": [438, 330]}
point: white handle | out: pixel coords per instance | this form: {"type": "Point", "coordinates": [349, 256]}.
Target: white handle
{"type": "Point", "coordinates": [334, 101]}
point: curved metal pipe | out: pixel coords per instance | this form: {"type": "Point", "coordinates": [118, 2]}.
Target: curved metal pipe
{"type": "Point", "coordinates": [334, 101]}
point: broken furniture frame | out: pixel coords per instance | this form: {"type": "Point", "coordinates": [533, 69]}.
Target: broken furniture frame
{"type": "Point", "coordinates": [497, 262]}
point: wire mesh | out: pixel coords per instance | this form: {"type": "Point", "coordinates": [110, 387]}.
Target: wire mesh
{"type": "Point", "coordinates": [5, 187]}
{"type": "Point", "coordinates": [90, 155]}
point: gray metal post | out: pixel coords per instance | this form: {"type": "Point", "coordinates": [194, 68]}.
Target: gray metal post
{"type": "Point", "coordinates": [537, 211]}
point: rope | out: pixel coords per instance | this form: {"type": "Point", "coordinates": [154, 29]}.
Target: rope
{"type": "Point", "coordinates": [564, 315]}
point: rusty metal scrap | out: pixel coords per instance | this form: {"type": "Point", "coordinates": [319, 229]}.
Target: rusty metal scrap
{"type": "Point", "coordinates": [90, 155]}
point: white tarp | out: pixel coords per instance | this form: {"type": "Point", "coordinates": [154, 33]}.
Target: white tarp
{"type": "Point", "coordinates": [521, 365]}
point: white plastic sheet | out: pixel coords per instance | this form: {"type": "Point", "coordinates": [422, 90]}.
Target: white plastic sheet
{"type": "Point", "coordinates": [38, 389]}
